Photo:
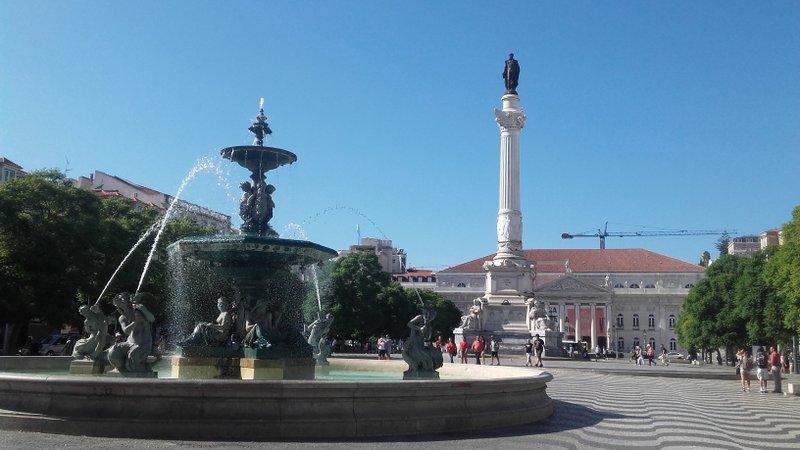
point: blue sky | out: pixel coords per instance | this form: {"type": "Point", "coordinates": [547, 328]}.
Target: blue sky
{"type": "Point", "coordinates": [671, 115]}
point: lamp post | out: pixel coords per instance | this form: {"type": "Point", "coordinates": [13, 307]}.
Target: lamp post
{"type": "Point", "coordinates": [614, 340]}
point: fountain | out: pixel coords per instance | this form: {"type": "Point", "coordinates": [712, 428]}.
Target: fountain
{"type": "Point", "coordinates": [264, 335]}
{"type": "Point", "coordinates": [250, 373]}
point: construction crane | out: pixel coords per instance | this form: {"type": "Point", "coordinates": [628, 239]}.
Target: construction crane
{"type": "Point", "coordinates": [604, 233]}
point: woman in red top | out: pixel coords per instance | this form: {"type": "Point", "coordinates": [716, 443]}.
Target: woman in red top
{"type": "Point", "coordinates": [478, 346]}
{"type": "Point", "coordinates": [462, 350]}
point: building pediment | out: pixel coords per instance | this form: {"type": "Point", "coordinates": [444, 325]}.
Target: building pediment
{"type": "Point", "coordinates": [571, 285]}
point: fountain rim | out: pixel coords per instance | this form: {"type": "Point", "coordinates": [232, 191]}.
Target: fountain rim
{"type": "Point", "coordinates": [290, 157]}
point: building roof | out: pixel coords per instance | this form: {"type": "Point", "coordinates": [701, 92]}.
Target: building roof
{"type": "Point", "coordinates": [8, 162]}
{"type": "Point", "coordinates": [624, 260]}
{"type": "Point", "coordinates": [414, 272]}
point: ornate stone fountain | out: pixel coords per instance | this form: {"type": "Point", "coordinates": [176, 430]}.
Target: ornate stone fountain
{"type": "Point", "coordinates": [258, 335]}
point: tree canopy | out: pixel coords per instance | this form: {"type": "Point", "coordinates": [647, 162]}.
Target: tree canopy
{"type": "Point", "coordinates": [366, 303]}
{"type": "Point", "coordinates": [59, 245]}
{"type": "Point", "coordinates": [746, 300]}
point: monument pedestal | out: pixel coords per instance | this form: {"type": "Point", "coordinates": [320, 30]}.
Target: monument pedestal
{"type": "Point", "coordinates": [277, 369]}
{"type": "Point", "coordinates": [87, 367]}
{"type": "Point", "coordinates": [205, 368]}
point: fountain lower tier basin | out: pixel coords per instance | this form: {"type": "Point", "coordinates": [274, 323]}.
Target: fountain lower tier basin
{"type": "Point", "coordinates": [468, 398]}
{"type": "Point", "coordinates": [251, 250]}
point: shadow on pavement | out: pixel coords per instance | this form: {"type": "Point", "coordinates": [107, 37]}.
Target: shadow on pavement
{"type": "Point", "coordinates": [566, 416]}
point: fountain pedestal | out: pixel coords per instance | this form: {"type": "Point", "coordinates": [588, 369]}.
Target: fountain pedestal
{"type": "Point", "coordinates": [277, 369]}
{"type": "Point", "coordinates": [205, 368]}
{"type": "Point", "coordinates": [86, 367]}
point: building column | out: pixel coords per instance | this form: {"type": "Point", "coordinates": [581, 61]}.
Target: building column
{"type": "Point", "coordinates": [510, 119]}
{"type": "Point", "coordinates": [608, 327]}
{"type": "Point", "coordinates": [562, 311]}
{"type": "Point", "coordinates": [593, 328]}
{"type": "Point", "coordinates": [577, 322]}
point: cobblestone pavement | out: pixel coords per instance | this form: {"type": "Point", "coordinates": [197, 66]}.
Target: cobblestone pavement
{"type": "Point", "coordinates": [591, 411]}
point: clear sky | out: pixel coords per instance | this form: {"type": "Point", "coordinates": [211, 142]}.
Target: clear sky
{"type": "Point", "coordinates": [657, 114]}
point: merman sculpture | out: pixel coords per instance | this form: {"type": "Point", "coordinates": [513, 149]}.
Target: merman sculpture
{"type": "Point", "coordinates": [130, 357]}
{"type": "Point", "coordinates": [418, 352]}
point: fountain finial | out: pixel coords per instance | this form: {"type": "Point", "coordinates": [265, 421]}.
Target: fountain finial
{"type": "Point", "coordinates": [260, 127]}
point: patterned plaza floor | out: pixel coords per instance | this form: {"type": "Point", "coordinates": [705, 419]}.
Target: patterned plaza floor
{"type": "Point", "coordinates": [592, 411]}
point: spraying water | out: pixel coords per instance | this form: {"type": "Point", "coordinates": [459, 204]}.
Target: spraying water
{"type": "Point", "coordinates": [301, 233]}
{"type": "Point", "coordinates": [202, 164]}
{"type": "Point", "coordinates": [142, 238]}
{"type": "Point", "coordinates": [317, 216]}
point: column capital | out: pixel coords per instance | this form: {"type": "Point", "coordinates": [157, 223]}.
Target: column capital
{"type": "Point", "coordinates": [510, 119]}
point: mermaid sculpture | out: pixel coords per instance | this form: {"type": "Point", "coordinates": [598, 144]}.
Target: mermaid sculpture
{"type": "Point", "coordinates": [422, 358]}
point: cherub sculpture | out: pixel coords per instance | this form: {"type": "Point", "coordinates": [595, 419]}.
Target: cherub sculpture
{"type": "Point", "coordinates": [96, 326]}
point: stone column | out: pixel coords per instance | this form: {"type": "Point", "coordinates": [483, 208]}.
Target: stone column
{"type": "Point", "coordinates": [577, 322]}
{"type": "Point", "coordinates": [593, 328]}
{"type": "Point", "coordinates": [511, 119]}
{"type": "Point", "coordinates": [608, 327]}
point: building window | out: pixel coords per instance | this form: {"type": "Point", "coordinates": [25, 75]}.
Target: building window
{"type": "Point", "coordinates": [635, 342]}
{"type": "Point", "coordinates": [652, 343]}
{"type": "Point", "coordinates": [650, 286]}
{"type": "Point", "coordinates": [404, 279]}
{"type": "Point", "coordinates": [688, 286]}
{"type": "Point", "coordinates": [673, 345]}
{"type": "Point", "coordinates": [461, 285]}
{"type": "Point", "coordinates": [635, 321]}
{"type": "Point", "coordinates": [620, 321]}
{"type": "Point", "coordinates": [672, 321]}
{"type": "Point", "coordinates": [620, 344]}
{"type": "Point", "coordinates": [618, 286]}
{"type": "Point", "coordinates": [651, 321]}
{"type": "Point", "coordinates": [634, 286]}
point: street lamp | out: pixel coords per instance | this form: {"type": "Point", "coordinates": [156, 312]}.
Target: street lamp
{"type": "Point", "coordinates": [614, 340]}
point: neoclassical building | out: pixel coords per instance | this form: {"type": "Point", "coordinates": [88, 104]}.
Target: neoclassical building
{"type": "Point", "coordinates": [615, 298]}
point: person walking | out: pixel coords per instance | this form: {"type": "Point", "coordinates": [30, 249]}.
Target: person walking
{"type": "Point", "coordinates": [528, 353]}
{"type": "Point", "coordinates": [664, 357]}
{"type": "Point", "coordinates": [775, 369]}
{"type": "Point", "coordinates": [494, 348]}
{"type": "Point", "coordinates": [639, 356]}
{"type": "Point", "coordinates": [451, 349]}
{"type": "Point", "coordinates": [745, 364]}
{"type": "Point", "coordinates": [381, 348]}
{"type": "Point", "coordinates": [462, 349]}
{"type": "Point", "coordinates": [538, 348]}
{"type": "Point", "coordinates": [651, 352]}
{"type": "Point", "coordinates": [478, 346]}
{"type": "Point", "coordinates": [762, 369]}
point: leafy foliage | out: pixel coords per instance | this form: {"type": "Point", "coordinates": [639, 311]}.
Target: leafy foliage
{"type": "Point", "coordinates": [59, 245]}
{"type": "Point", "coordinates": [365, 302]}
{"type": "Point", "coordinates": [782, 272]}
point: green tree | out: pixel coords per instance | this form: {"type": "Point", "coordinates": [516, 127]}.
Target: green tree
{"type": "Point", "coordinates": [709, 318]}
{"type": "Point", "coordinates": [757, 303]}
{"type": "Point", "coordinates": [355, 284]}
{"type": "Point", "coordinates": [48, 256]}
{"type": "Point", "coordinates": [782, 272]}
{"type": "Point", "coordinates": [722, 244]}
{"type": "Point", "coordinates": [365, 302]}
{"type": "Point", "coordinates": [59, 245]}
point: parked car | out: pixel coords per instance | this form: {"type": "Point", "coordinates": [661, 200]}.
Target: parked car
{"type": "Point", "coordinates": [56, 344]}
{"type": "Point", "coordinates": [675, 355]}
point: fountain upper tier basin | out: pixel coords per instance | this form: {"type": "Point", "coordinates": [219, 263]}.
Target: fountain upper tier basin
{"type": "Point", "coordinates": [258, 159]}
{"type": "Point", "coordinates": [252, 250]}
